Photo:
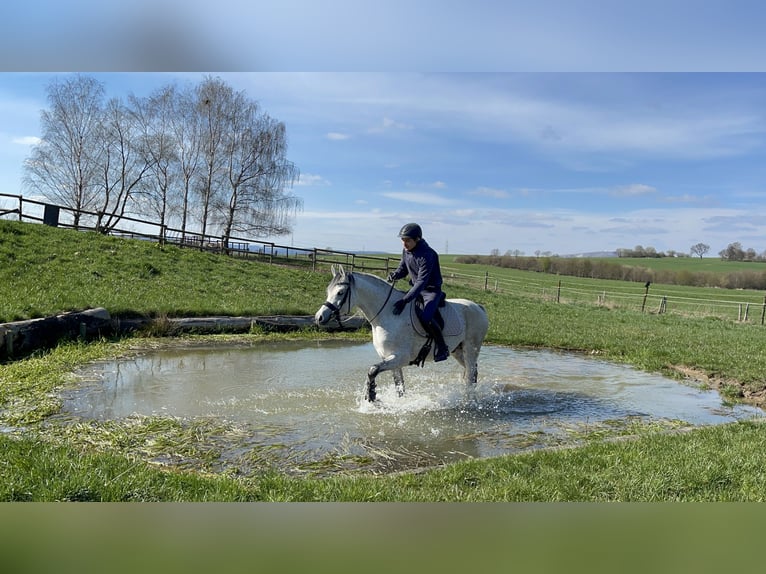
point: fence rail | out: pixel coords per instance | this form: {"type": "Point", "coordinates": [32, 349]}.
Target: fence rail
{"type": "Point", "coordinates": [32, 210]}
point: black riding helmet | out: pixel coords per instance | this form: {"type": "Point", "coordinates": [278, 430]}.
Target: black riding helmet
{"type": "Point", "coordinates": [411, 230]}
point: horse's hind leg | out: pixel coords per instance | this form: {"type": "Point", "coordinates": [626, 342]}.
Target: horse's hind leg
{"type": "Point", "coordinates": [398, 381]}
{"type": "Point", "coordinates": [460, 358]}
{"type": "Point", "coordinates": [468, 358]}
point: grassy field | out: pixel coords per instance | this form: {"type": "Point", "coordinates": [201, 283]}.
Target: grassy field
{"type": "Point", "coordinates": [45, 270]}
{"type": "Point", "coordinates": [707, 264]}
{"type": "Point", "coordinates": [732, 304]}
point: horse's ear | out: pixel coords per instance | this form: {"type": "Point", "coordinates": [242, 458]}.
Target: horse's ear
{"type": "Point", "coordinates": [333, 270]}
{"type": "Point", "coordinates": [341, 270]}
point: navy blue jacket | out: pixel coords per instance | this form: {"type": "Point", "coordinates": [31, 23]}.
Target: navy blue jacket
{"type": "Point", "coordinates": [422, 265]}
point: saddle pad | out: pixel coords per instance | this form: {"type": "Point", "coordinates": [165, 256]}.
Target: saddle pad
{"type": "Point", "coordinates": [453, 321]}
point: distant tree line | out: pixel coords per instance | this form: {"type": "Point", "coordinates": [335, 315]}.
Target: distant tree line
{"type": "Point", "coordinates": [604, 269]}
{"type": "Point", "coordinates": [200, 157]}
{"type": "Point", "coordinates": [733, 252]}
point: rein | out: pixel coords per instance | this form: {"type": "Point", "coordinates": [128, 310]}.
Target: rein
{"type": "Point", "coordinates": [390, 291]}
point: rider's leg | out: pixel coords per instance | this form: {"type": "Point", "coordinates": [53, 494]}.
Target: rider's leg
{"type": "Point", "coordinates": [430, 304]}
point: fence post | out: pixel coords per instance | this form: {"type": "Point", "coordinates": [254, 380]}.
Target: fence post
{"type": "Point", "coordinates": [643, 304]}
{"type": "Point", "coordinates": [21, 207]}
{"type": "Point", "coordinates": [558, 293]}
{"type": "Point", "coordinates": [486, 280]}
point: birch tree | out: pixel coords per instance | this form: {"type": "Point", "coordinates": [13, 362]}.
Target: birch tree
{"type": "Point", "coordinates": [64, 165]}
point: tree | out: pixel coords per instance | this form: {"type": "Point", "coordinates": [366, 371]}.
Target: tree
{"type": "Point", "coordinates": [699, 249]}
{"type": "Point", "coordinates": [160, 192]}
{"type": "Point", "coordinates": [253, 198]}
{"type": "Point", "coordinates": [205, 149]}
{"type": "Point", "coordinates": [214, 105]}
{"type": "Point", "coordinates": [64, 166]}
{"type": "Point", "coordinates": [733, 252]}
{"type": "Point", "coordinates": [124, 164]}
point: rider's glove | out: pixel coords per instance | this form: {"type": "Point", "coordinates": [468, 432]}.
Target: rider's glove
{"type": "Point", "coordinates": [399, 306]}
{"type": "Point", "coordinates": [392, 277]}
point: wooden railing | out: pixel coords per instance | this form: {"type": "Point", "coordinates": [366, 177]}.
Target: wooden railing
{"type": "Point", "coordinates": [32, 210]}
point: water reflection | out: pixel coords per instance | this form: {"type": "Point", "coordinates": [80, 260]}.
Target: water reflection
{"type": "Point", "coordinates": [303, 400]}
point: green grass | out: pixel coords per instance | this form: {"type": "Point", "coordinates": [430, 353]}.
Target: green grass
{"type": "Point", "coordinates": [731, 304]}
{"type": "Point", "coordinates": [695, 264]}
{"type": "Point", "coordinates": [52, 270]}
{"type": "Point", "coordinates": [725, 463]}
{"type": "Point", "coordinates": [45, 271]}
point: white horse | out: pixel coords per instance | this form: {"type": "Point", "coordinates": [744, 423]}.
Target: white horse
{"type": "Point", "coordinates": [400, 339]}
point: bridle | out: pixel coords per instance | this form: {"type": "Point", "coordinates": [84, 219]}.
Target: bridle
{"type": "Point", "coordinates": [335, 309]}
{"type": "Point", "coordinates": [346, 298]}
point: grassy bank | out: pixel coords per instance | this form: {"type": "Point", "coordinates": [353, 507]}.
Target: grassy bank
{"type": "Point", "coordinates": [46, 270]}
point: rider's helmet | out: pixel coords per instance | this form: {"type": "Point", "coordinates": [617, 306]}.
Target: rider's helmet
{"type": "Point", "coordinates": [411, 230]}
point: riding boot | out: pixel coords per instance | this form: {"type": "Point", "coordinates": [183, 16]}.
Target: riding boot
{"type": "Point", "coordinates": [441, 353]}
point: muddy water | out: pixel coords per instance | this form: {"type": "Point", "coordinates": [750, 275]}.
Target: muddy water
{"type": "Point", "coordinates": [302, 402]}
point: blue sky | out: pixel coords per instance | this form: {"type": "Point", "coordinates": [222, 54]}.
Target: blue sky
{"type": "Point", "coordinates": [535, 162]}
{"type": "Point", "coordinates": [549, 125]}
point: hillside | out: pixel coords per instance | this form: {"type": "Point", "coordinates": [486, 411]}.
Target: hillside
{"type": "Point", "coordinates": [46, 270]}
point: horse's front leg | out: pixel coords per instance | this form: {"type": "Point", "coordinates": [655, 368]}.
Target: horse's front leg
{"type": "Point", "coordinates": [370, 393]}
{"type": "Point", "coordinates": [391, 363]}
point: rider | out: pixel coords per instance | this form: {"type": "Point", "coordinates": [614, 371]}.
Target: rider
{"type": "Point", "coordinates": [421, 263]}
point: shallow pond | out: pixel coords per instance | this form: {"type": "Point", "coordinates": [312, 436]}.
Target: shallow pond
{"type": "Point", "coordinates": [302, 403]}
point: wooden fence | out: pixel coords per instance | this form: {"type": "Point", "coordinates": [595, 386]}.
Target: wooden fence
{"type": "Point", "coordinates": [17, 206]}
{"type": "Point", "coordinates": [736, 305]}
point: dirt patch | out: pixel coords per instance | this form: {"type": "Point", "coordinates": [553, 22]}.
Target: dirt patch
{"type": "Point", "coordinates": [731, 389]}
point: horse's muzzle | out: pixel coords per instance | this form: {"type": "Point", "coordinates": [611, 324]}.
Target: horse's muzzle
{"type": "Point", "coordinates": [322, 316]}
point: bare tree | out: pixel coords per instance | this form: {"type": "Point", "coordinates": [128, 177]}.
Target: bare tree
{"type": "Point", "coordinates": [699, 249]}
{"type": "Point", "coordinates": [160, 191]}
{"type": "Point", "coordinates": [205, 149]}
{"type": "Point", "coordinates": [63, 167]}
{"type": "Point", "coordinates": [214, 105]}
{"type": "Point", "coordinates": [257, 173]}
{"type": "Point", "coordinates": [186, 128]}
{"type": "Point", "coordinates": [733, 252]}
{"type": "Point", "coordinates": [122, 167]}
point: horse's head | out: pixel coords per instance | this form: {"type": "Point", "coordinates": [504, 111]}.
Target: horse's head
{"type": "Point", "coordinates": [338, 295]}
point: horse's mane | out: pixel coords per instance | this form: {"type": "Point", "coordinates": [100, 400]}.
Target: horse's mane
{"type": "Point", "coordinates": [340, 273]}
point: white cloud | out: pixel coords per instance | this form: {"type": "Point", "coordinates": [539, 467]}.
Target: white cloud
{"type": "Point", "coordinates": [490, 192]}
{"type": "Point", "coordinates": [632, 190]}
{"type": "Point", "coordinates": [389, 125]}
{"type": "Point", "coordinates": [27, 140]}
{"type": "Point", "coordinates": [312, 180]}
{"type": "Point", "coordinates": [337, 136]}
{"type": "Point", "coordinates": [419, 197]}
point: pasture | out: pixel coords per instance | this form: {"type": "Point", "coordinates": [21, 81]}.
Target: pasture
{"type": "Point", "coordinates": [45, 270]}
